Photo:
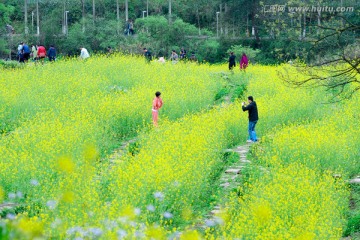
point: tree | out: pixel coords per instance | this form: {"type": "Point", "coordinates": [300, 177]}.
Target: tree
{"type": "Point", "coordinates": [280, 36]}
{"type": "Point", "coordinates": [5, 13]}
{"type": "Point", "coordinates": [6, 30]}
{"type": "Point", "coordinates": [126, 10]}
{"type": "Point", "coordinates": [117, 17]}
{"type": "Point", "coordinates": [338, 70]}
{"type": "Point", "coordinates": [162, 37]}
{"type": "Point", "coordinates": [94, 11]}
{"type": "Point", "coordinates": [83, 15]}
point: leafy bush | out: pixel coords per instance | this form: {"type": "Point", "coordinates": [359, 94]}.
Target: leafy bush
{"type": "Point", "coordinates": [239, 50]}
{"type": "Point", "coordinates": [223, 92]}
{"type": "Point", "coordinates": [156, 33]}
{"type": "Point", "coordinates": [10, 64]}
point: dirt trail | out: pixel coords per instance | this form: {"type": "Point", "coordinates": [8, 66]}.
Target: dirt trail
{"type": "Point", "coordinates": [229, 180]}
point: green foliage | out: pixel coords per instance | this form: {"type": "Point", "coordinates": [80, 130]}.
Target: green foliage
{"type": "Point", "coordinates": [5, 18]}
{"type": "Point", "coordinates": [353, 225]}
{"type": "Point", "coordinates": [279, 36]}
{"type": "Point", "coordinates": [233, 89]}
{"type": "Point", "coordinates": [157, 34]}
{"type": "Point", "coordinates": [5, 13]}
{"type": "Point", "coordinates": [3, 47]}
{"type": "Point", "coordinates": [238, 92]}
{"type": "Point", "coordinates": [208, 50]}
{"type": "Point", "coordinates": [134, 148]}
{"type": "Point", "coordinates": [239, 50]}
{"type": "Point", "coordinates": [76, 39]}
{"type": "Point", "coordinates": [10, 64]}
{"type": "Point", "coordinates": [223, 92]}
{"type": "Point", "coordinates": [230, 158]}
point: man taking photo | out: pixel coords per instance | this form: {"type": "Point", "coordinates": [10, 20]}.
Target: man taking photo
{"type": "Point", "coordinates": [253, 118]}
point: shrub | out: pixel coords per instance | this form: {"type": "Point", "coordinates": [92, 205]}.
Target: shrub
{"type": "Point", "coordinates": [239, 50]}
{"type": "Point", "coordinates": [11, 64]}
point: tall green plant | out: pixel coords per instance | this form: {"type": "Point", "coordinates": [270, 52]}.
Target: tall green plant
{"type": "Point", "coordinates": [238, 50]}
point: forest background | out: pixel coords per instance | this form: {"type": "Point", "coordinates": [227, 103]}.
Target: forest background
{"type": "Point", "coordinates": [271, 31]}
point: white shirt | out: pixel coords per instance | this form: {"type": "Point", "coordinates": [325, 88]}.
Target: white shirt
{"type": "Point", "coordinates": [84, 53]}
{"type": "Point", "coordinates": [20, 47]}
{"type": "Point", "coordinates": [162, 59]}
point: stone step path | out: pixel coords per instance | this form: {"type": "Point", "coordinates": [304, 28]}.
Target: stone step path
{"type": "Point", "coordinates": [115, 156]}
{"type": "Point", "coordinates": [117, 153]}
{"type": "Point", "coordinates": [229, 180]}
{"type": "Point", "coordinates": [355, 180]}
{"type": "Point", "coordinates": [5, 206]}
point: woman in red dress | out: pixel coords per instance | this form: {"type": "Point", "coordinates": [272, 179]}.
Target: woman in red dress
{"type": "Point", "coordinates": [244, 62]}
{"type": "Point", "coordinates": [157, 104]}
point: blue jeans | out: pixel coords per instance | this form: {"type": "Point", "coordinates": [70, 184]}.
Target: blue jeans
{"type": "Point", "coordinates": [252, 133]}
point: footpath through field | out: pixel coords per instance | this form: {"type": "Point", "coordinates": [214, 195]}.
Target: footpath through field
{"type": "Point", "coordinates": [229, 181]}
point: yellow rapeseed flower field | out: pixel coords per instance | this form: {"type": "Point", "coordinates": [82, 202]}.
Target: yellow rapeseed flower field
{"type": "Point", "coordinates": [60, 122]}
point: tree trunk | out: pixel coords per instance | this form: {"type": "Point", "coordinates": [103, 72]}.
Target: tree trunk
{"type": "Point", "coordinates": [198, 19]}
{"type": "Point", "coordinates": [304, 31]}
{"type": "Point", "coordinates": [10, 44]}
{"type": "Point", "coordinates": [93, 6]}
{"type": "Point", "coordinates": [170, 11]}
{"type": "Point", "coordinates": [319, 22]}
{"type": "Point", "coordinates": [83, 15]}
{"type": "Point", "coordinates": [233, 19]}
{"type": "Point", "coordinates": [26, 17]}
{"type": "Point", "coordinates": [118, 16]}
{"type": "Point", "coordinates": [247, 25]}
{"type": "Point", "coordinates": [37, 18]}
{"type": "Point", "coordinates": [342, 20]}
{"type": "Point", "coordinates": [225, 17]}
{"type": "Point", "coordinates": [63, 23]}
{"type": "Point", "coordinates": [300, 27]}
{"type": "Point", "coordinates": [126, 10]}
{"type": "Point", "coordinates": [220, 19]}
{"type": "Point", "coordinates": [254, 26]}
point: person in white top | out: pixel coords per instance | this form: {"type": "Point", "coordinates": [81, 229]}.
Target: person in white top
{"type": "Point", "coordinates": [84, 53]}
{"type": "Point", "coordinates": [161, 60]}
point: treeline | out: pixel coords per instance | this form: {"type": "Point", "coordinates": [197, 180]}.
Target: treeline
{"type": "Point", "coordinates": [281, 29]}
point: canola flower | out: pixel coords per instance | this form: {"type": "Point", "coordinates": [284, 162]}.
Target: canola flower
{"type": "Point", "coordinates": [329, 143]}
{"type": "Point", "coordinates": [292, 202]}
{"type": "Point", "coordinates": [51, 154]}
{"type": "Point", "coordinates": [59, 120]}
{"type": "Point", "coordinates": [296, 197]}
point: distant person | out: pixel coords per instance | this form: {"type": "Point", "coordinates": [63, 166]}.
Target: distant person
{"type": "Point", "coordinates": [232, 62]}
{"type": "Point", "coordinates": [127, 28]}
{"type": "Point", "coordinates": [147, 55]}
{"type": "Point", "coordinates": [157, 104]}
{"type": "Point", "coordinates": [182, 54]}
{"type": "Point", "coordinates": [193, 57]}
{"type": "Point", "coordinates": [41, 52]}
{"type": "Point", "coordinates": [109, 51]}
{"type": "Point", "coordinates": [34, 53]}
{"type": "Point", "coordinates": [131, 27]}
{"type": "Point", "coordinates": [84, 54]}
{"type": "Point", "coordinates": [253, 118]}
{"type": "Point", "coordinates": [244, 62]}
{"type": "Point", "coordinates": [21, 57]}
{"type": "Point", "coordinates": [26, 51]}
{"type": "Point", "coordinates": [182, 57]}
{"type": "Point", "coordinates": [20, 51]}
{"type": "Point", "coordinates": [52, 53]}
{"type": "Point", "coordinates": [161, 60]}
{"type": "Point", "coordinates": [174, 57]}
{"type": "Point", "coordinates": [184, 51]}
